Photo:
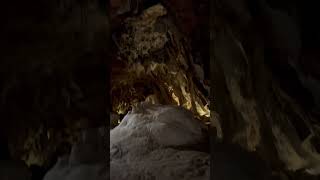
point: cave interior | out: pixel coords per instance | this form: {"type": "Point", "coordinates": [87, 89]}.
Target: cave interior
{"type": "Point", "coordinates": [240, 79]}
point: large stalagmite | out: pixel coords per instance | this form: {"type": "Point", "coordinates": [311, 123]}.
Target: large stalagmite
{"type": "Point", "coordinates": [158, 142]}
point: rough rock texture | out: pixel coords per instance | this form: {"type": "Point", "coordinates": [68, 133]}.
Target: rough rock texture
{"type": "Point", "coordinates": [154, 63]}
{"type": "Point", "coordinates": [158, 142]}
{"type": "Point", "coordinates": [87, 159]}
{"type": "Point", "coordinates": [262, 89]}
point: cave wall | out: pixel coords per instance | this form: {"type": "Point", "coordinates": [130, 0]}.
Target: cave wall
{"type": "Point", "coordinates": [155, 58]}
{"type": "Point", "coordinates": [53, 75]}
{"type": "Point", "coordinates": [263, 70]}
{"type": "Point", "coordinates": [264, 102]}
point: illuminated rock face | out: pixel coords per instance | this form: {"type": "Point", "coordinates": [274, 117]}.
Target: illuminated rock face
{"type": "Point", "coordinates": [156, 65]}
{"type": "Point", "coordinates": [152, 142]}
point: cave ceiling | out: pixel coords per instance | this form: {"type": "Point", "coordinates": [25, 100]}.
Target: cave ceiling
{"type": "Point", "coordinates": [154, 63]}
